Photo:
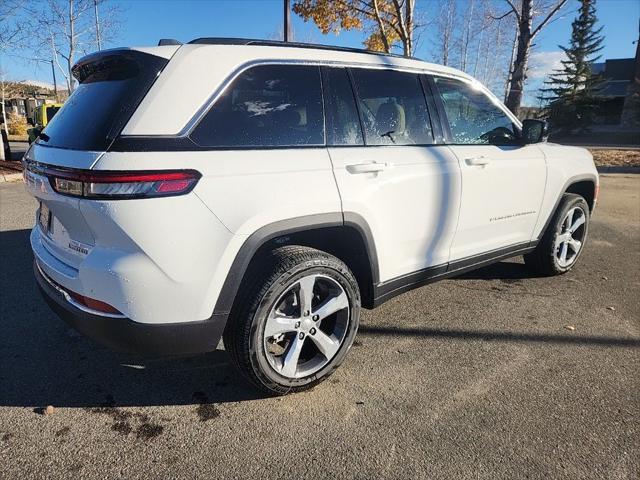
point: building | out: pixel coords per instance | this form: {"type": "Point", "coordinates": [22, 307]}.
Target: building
{"type": "Point", "coordinates": [22, 99]}
{"type": "Point", "coordinates": [617, 78]}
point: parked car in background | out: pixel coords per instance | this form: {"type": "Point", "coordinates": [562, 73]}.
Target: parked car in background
{"type": "Point", "coordinates": [42, 115]}
{"type": "Point", "coordinates": [265, 192]}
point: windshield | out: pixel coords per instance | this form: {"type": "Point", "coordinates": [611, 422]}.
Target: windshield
{"type": "Point", "coordinates": [111, 86]}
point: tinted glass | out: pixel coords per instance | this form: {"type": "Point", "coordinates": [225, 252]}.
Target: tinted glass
{"type": "Point", "coordinates": [343, 124]}
{"type": "Point", "coordinates": [111, 87]}
{"type": "Point", "coordinates": [473, 118]}
{"type": "Point", "coordinates": [393, 107]}
{"type": "Point", "coordinates": [51, 111]}
{"type": "Point", "coordinates": [266, 106]}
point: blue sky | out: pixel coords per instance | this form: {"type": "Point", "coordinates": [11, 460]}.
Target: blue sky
{"type": "Point", "coordinates": [146, 21]}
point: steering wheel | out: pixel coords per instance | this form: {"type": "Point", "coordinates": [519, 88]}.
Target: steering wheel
{"type": "Point", "coordinates": [498, 136]}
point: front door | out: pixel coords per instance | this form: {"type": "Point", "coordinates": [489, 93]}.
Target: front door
{"type": "Point", "coordinates": [503, 181]}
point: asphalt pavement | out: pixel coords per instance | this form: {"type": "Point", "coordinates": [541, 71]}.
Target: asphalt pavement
{"type": "Point", "coordinates": [495, 375]}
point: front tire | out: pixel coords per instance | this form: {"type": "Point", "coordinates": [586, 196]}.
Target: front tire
{"type": "Point", "coordinates": [564, 239]}
{"type": "Point", "coordinates": [295, 320]}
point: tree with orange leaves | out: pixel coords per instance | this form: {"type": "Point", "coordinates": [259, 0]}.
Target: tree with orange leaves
{"type": "Point", "coordinates": [388, 22]}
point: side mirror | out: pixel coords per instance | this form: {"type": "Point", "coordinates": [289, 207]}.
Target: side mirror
{"type": "Point", "coordinates": [534, 131]}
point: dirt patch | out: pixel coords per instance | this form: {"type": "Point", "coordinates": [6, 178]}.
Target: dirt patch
{"type": "Point", "coordinates": [617, 158]}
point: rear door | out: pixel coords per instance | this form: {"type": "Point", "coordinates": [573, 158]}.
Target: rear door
{"type": "Point", "coordinates": [502, 181]}
{"type": "Point", "coordinates": [390, 172]}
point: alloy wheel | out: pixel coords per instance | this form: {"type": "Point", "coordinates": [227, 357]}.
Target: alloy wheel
{"type": "Point", "coordinates": [306, 326]}
{"type": "Point", "coordinates": [569, 240]}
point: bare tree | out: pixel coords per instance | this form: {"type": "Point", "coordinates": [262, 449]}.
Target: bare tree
{"type": "Point", "coordinates": [466, 35]}
{"type": "Point", "coordinates": [526, 14]}
{"type": "Point", "coordinates": [70, 28]}
{"type": "Point", "coordinates": [12, 37]}
{"type": "Point", "coordinates": [446, 23]}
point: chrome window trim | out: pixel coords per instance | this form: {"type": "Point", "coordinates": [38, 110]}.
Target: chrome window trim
{"type": "Point", "coordinates": [208, 104]}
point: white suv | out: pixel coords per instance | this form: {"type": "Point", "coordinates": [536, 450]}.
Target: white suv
{"type": "Point", "coordinates": [265, 192]}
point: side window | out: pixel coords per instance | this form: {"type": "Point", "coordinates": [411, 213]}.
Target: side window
{"type": "Point", "coordinates": [343, 123]}
{"type": "Point", "coordinates": [393, 107]}
{"type": "Point", "coordinates": [473, 118]}
{"type": "Point", "coordinates": [266, 106]}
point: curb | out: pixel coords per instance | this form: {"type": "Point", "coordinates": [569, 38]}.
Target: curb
{"type": "Point", "coordinates": [617, 169]}
{"type": "Point", "coordinates": [11, 177]}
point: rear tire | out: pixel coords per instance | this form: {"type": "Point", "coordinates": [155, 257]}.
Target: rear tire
{"type": "Point", "coordinates": [564, 239]}
{"type": "Point", "coordinates": [295, 320]}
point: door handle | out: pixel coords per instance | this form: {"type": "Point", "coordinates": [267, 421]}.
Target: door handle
{"type": "Point", "coordinates": [478, 161]}
{"type": "Point", "coordinates": [372, 167]}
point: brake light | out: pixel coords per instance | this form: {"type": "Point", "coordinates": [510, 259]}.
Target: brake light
{"type": "Point", "coordinates": [116, 185]}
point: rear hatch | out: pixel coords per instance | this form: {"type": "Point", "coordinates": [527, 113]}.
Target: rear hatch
{"type": "Point", "coordinates": [111, 85]}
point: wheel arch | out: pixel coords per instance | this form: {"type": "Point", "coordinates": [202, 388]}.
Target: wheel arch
{"type": "Point", "coordinates": [586, 188]}
{"type": "Point", "coordinates": [346, 236]}
{"type": "Point", "coordinates": [583, 185]}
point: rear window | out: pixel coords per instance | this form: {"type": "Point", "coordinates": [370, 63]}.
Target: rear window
{"type": "Point", "coordinates": [266, 106]}
{"type": "Point", "coordinates": [51, 111]}
{"type": "Point", "coordinates": [111, 86]}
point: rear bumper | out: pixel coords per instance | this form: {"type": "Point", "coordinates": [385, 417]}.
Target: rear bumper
{"type": "Point", "coordinates": [125, 335]}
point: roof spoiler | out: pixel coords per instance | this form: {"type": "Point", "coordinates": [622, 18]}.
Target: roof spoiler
{"type": "Point", "coordinates": [168, 41]}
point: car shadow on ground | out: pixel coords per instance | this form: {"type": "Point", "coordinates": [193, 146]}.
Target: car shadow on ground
{"type": "Point", "coordinates": [505, 271]}
{"type": "Point", "coordinates": [44, 362]}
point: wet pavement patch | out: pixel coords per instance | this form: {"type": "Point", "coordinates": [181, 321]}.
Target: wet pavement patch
{"type": "Point", "coordinates": [122, 422]}
{"type": "Point", "coordinates": [147, 431]}
{"type": "Point", "coordinates": [63, 431]}
{"type": "Point", "coordinates": [123, 428]}
{"type": "Point", "coordinates": [207, 411]}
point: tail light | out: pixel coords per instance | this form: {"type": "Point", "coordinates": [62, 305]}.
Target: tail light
{"type": "Point", "coordinates": [116, 185]}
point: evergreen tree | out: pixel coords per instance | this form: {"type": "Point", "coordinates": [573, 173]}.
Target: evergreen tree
{"type": "Point", "coordinates": [570, 90]}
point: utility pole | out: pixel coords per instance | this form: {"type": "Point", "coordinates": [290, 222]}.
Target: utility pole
{"type": "Point", "coordinates": [287, 20]}
{"type": "Point", "coordinates": [95, 10]}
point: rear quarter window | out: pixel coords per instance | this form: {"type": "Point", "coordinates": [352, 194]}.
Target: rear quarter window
{"type": "Point", "coordinates": [266, 106]}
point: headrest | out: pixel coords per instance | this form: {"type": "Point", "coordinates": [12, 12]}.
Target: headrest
{"type": "Point", "coordinates": [390, 117]}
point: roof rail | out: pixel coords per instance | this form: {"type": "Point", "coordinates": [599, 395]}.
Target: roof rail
{"type": "Point", "coordinates": [279, 43]}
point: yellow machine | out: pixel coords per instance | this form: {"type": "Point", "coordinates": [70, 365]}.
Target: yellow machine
{"type": "Point", "coordinates": [41, 116]}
